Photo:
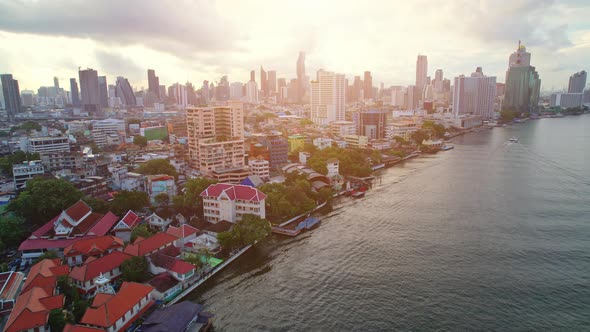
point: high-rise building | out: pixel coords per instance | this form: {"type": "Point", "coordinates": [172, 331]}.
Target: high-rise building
{"type": "Point", "coordinates": [11, 92]}
{"type": "Point", "coordinates": [252, 76]}
{"type": "Point", "coordinates": [421, 72]}
{"type": "Point", "coordinates": [328, 98]}
{"type": "Point", "coordinates": [236, 90]}
{"type": "Point", "coordinates": [474, 95]}
{"type": "Point", "coordinates": [263, 82]}
{"type": "Point", "coordinates": [577, 82]}
{"type": "Point", "coordinates": [301, 84]}
{"type": "Point", "coordinates": [357, 89]}
{"type": "Point", "coordinates": [179, 94]}
{"type": "Point", "coordinates": [103, 90]}
{"type": "Point", "coordinates": [523, 84]}
{"type": "Point", "coordinates": [271, 82]}
{"type": "Point", "coordinates": [252, 92]}
{"type": "Point", "coordinates": [154, 83]}
{"type": "Point", "coordinates": [124, 91]}
{"type": "Point", "coordinates": [74, 92]}
{"type": "Point", "coordinates": [216, 140]}
{"type": "Point", "coordinates": [222, 90]}
{"type": "Point", "coordinates": [162, 91]}
{"type": "Point", "coordinates": [205, 95]}
{"type": "Point", "coordinates": [368, 86]}
{"type": "Point", "coordinates": [55, 82]}
{"type": "Point", "coordinates": [89, 91]}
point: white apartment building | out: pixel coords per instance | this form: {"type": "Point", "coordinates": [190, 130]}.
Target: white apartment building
{"type": "Point", "coordinates": [229, 202]}
{"type": "Point", "coordinates": [21, 173]}
{"type": "Point", "coordinates": [343, 128]}
{"type": "Point", "coordinates": [259, 167]}
{"type": "Point", "coordinates": [474, 95]}
{"type": "Point", "coordinates": [328, 98]}
{"type": "Point", "coordinates": [45, 144]}
{"type": "Point", "coordinates": [567, 100]}
{"type": "Point", "coordinates": [322, 143]}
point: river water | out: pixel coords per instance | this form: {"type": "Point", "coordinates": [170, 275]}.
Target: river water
{"type": "Point", "coordinates": [488, 236]}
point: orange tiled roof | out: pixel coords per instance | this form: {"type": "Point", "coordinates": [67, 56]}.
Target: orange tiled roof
{"type": "Point", "coordinates": [93, 246]}
{"type": "Point", "coordinates": [32, 309]}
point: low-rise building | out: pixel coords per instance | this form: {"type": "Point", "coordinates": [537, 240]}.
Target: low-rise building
{"type": "Point", "coordinates": [343, 128]}
{"type": "Point", "coordinates": [259, 167]}
{"type": "Point", "coordinates": [144, 247]}
{"type": "Point", "coordinates": [402, 128]}
{"type": "Point", "coordinates": [357, 141]}
{"type": "Point", "coordinates": [322, 143]}
{"type": "Point", "coordinates": [296, 143]}
{"type": "Point", "coordinates": [10, 285]}
{"type": "Point", "coordinates": [230, 202]}
{"type": "Point", "coordinates": [126, 225]}
{"type": "Point", "coordinates": [160, 184]}
{"type": "Point", "coordinates": [84, 277]}
{"type": "Point", "coordinates": [79, 251]}
{"type": "Point", "coordinates": [46, 144]}
{"type": "Point", "coordinates": [21, 173]}
{"type": "Point", "coordinates": [158, 223]}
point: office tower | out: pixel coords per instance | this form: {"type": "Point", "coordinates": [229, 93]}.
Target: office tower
{"type": "Point", "coordinates": [368, 86]}
{"type": "Point", "coordinates": [162, 92]}
{"type": "Point", "coordinates": [216, 141]}
{"type": "Point", "coordinates": [11, 92]}
{"type": "Point", "coordinates": [191, 94]}
{"type": "Point", "coordinates": [103, 91]}
{"type": "Point", "coordinates": [89, 91]}
{"type": "Point", "coordinates": [301, 77]}
{"type": "Point", "coordinates": [74, 91]}
{"type": "Point", "coordinates": [27, 98]}
{"type": "Point", "coordinates": [154, 83]}
{"type": "Point", "coordinates": [411, 97]}
{"type": "Point", "coordinates": [180, 96]}
{"type": "Point", "coordinates": [328, 98]}
{"type": "Point", "coordinates": [263, 82]}
{"type": "Point", "coordinates": [372, 122]}
{"type": "Point", "coordinates": [577, 82]}
{"type": "Point", "coordinates": [421, 72]}
{"type": "Point", "coordinates": [205, 93]}
{"type": "Point", "coordinates": [124, 91]}
{"type": "Point", "coordinates": [252, 76]}
{"type": "Point", "coordinates": [236, 91]}
{"type": "Point", "coordinates": [252, 92]}
{"type": "Point", "coordinates": [271, 82]}
{"type": "Point", "coordinates": [357, 89]}
{"type": "Point", "coordinates": [55, 82]}
{"type": "Point", "coordinates": [523, 84]}
{"type": "Point", "coordinates": [474, 95]}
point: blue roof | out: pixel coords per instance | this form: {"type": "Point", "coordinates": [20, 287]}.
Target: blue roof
{"type": "Point", "coordinates": [173, 318]}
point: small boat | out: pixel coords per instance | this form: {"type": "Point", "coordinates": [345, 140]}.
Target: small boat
{"type": "Point", "coordinates": [447, 147]}
{"type": "Point", "coordinates": [513, 140]}
{"type": "Point", "coordinates": [358, 194]}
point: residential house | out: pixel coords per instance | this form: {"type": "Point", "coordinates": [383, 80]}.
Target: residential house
{"type": "Point", "coordinates": [184, 233]}
{"type": "Point", "coordinates": [160, 184]}
{"type": "Point", "coordinates": [183, 316]}
{"type": "Point", "coordinates": [126, 225]}
{"type": "Point", "coordinates": [10, 285]}
{"type": "Point", "coordinates": [116, 312]}
{"type": "Point", "coordinates": [230, 202]}
{"type": "Point", "coordinates": [166, 287]}
{"type": "Point", "coordinates": [144, 247]}
{"type": "Point", "coordinates": [168, 260]}
{"type": "Point", "coordinates": [79, 251]}
{"type": "Point", "coordinates": [84, 277]}
{"type": "Point", "coordinates": [158, 223]}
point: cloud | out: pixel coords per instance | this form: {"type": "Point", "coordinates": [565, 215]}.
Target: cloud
{"type": "Point", "coordinates": [181, 27]}
{"type": "Point", "coordinates": [116, 65]}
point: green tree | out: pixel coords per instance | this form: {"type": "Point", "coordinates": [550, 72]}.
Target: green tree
{"type": "Point", "coordinates": [305, 122]}
{"type": "Point", "coordinates": [325, 194]}
{"type": "Point", "coordinates": [12, 230]}
{"type": "Point", "coordinates": [191, 201]}
{"type": "Point", "coordinates": [249, 230]}
{"type": "Point", "coordinates": [140, 141]}
{"type": "Point", "coordinates": [437, 129]}
{"type": "Point", "coordinates": [97, 205]}
{"type": "Point", "coordinates": [78, 309]}
{"type": "Point", "coordinates": [162, 199]}
{"type": "Point", "coordinates": [158, 166]}
{"type": "Point", "coordinates": [400, 140]}
{"type": "Point", "coordinates": [44, 199]}
{"type": "Point", "coordinates": [57, 320]}
{"type": "Point", "coordinates": [135, 269]}
{"type": "Point", "coordinates": [141, 231]}
{"type": "Point", "coordinates": [129, 200]}
{"type": "Point", "coordinates": [193, 259]}
{"type": "Point", "coordinates": [28, 126]}
{"type": "Point", "coordinates": [18, 157]}
{"type": "Point", "coordinates": [419, 136]}
{"type": "Point", "coordinates": [508, 115]}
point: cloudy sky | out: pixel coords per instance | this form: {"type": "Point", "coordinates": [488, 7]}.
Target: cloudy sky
{"type": "Point", "coordinates": [197, 40]}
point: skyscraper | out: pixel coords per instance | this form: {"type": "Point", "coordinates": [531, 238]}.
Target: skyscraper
{"type": "Point", "coordinates": [11, 92]}
{"type": "Point", "coordinates": [474, 95]}
{"type": "Point", "coordinates": [74, 92]}
{"type": "Point", "coordinates": [89, 91]}
{"type": "Point", "coordinates": [421, 72]}
{"type": "Point", "coordinates": [301, 77]}
{"type": "Point", "coordinates": [368, 86]}
{"type": "Point", "coordinates": [55, 82]}
{"type": "Point", "coordinates": [523, 84]}
{"type": "Point", "coordinates": [263, 82]}
{"type": "Point", "coordinates": [271, 82]}
{"type": "Point", "coordinates": [236, 90]}
{"type": "Point", "coordinates": [154, 83]}
{"type": "Point", "coordinates": [357, 89]}
{"type": "Point", "coordinates": [252, 75]}
{"type": "Point", "coordinates": [577, 82]}
{"type": "Point", "coordinates": [328, 95]}
{"type": "Point", "coordinates": [103, 91]}
{"type": "Point", "coordinates": [205, 95]}
{"type": "Point", "coordinates": [124, 91]}
{"type": "Point", "coordinates": [252, 92]}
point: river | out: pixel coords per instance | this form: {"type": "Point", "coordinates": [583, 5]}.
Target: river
{"type": "Point", "coordinates": [488, 236]}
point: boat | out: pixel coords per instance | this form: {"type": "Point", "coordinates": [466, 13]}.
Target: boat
{"type": "Point", "coordinates": [513, 140]}
{"type": "Point", "coordinates": [447, 147]}
{"type": "Point", "coordinates": [376, 167]}
{"type": "Point", "coordinates": [358, 194]}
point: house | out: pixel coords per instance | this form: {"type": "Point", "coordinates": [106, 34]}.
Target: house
{"type": "Point", "coordinates": [167, 260]}
{"type": "Point", "coordinates": [183, 316]}
{"type": "Point", "coordinates": [184, 233]}
{"type": "Point", "coordinates": [230, 202]}
{"type": "Point", "coordinates": [166, 287]}
{"type": "Point", "coordinates": [116, 312]}
{"type": "Point", "coordinates": [38, 297]}
{"type": "Point", "coordinates": [144, 247]}
{"type": "Point", "coordinates": [204, 241]}
{"type": "Point", "coordinates": [126, 225]}
{"type": "Point", "coordinates": [10, 285]}
{"type": "Point", "coordinates": [158, 223]}
{"type": "Point", "coordinates": [160, 184]}
{"type": "Point", "coordinates": [84, 277]}
{"type": "Point", "coordinates": [73, 224]}
{"type": "Point", "coordinates": [220, 227]}
{"type": "Point", "coordinates": [79, 251]}
{"type": "Point", "coordinates": [252, 181]}
{"type": "Point", "coordinates": [181, 218]}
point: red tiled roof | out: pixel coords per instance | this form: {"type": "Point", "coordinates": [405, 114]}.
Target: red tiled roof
{"type": "Point", "coordinates": [93, 246]}
{"type": "Point", "coordinates": [234, 191]}
{"type": "Point", "coordinates": [32, 309]}
{"type": "Point", "coordinates": [94, 267]}
{"type": "Point", "coordinates": [152, 243]}
{"type": "Point", "coordinates": [78, 210]}
{"type": "Point", "coordinates": [182, 231]}
{"type": "Point", "coordinates": [182, 267]}
{"type": "Point", "coordinates": [163, 282]}
{"type": "Point", "coordinates": [45, 228]}
{"type": "Point", "coordinates": [35, 244]}
{"type": "Point", "coordinates": [44, 275]}
{"type": "Point", "coordinates": [80, 328]}
{"type": "Point", "coordinates": [130, 219]}
{"type": "Point", "coordinates": [106, 311]}
{"type": "Point", "coordinates": [86, 224]}
{"type": "Point", "coordinates": [161, 178]}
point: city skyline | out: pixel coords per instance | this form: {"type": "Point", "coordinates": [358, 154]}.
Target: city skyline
{"type": "Point", "coordinates": [226, 40]}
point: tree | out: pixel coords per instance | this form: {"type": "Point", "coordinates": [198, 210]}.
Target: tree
{"type": "Point", "coordinates": [162, 199]}
{"type": "Point", "coordinates": [325, 194]}
{"type": "Point", "coordinates": [508, 115]}
{"type": "Point", "coordinates": [191, 201]}
{"type": "Point", "coordinates": [141, 231]}
{"type": "Point", "coordinates": [18, 157]}
{"type": "Point", "coordinates": [438, 129]}
{"type": "Point", "coordinates": [193, 259]}
{"type": "Point", "coordinates": [419, 136]}
{"type": "Point", "coordinates": [57, 320]}
{"type": "Point", "coordinates": [305, 122]}
{"type": "Point", "coordinates": [140, 141]}
{"type": "Point", "coordinates": [12, 230]}
{"type": "Point", "coordinates": [249, 230]}
{"type": "Point", "coordinates": [158, 166]}
{"type": "Point", "coordinates": [78, 309]}
{"type": "Point", "coordinates": [129, 200]}
{"type": "Point", "coordinates": [44, 199]}
{"type": "Point", "coordinates": [97, 205]}
{"type": "Point", "coordinates": [135, 269]}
